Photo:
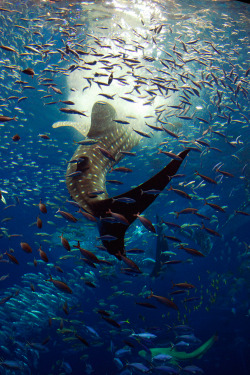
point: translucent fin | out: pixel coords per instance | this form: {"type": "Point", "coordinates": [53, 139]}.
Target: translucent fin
{"type": "Point", "coordinates": [83, 129]}
{"type": "Point", "coordinates": [3, 199]}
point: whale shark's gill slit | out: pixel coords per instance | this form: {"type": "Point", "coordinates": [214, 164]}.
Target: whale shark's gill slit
{"type": "Point", "coordinates": [94, 166]}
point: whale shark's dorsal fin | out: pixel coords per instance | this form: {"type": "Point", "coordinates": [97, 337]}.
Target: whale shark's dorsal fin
{"type": "Point", "coordinates": [102, 117]}
{"type": "Point", "coordinates": [80, 127]}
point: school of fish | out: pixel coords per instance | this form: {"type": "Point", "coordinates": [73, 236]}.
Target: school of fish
{"type": "Point", "coordinates": [96, 99]}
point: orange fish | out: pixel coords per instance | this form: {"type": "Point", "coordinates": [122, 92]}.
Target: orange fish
{"type": "Point", "coordinates": [87, 254]}
{"type": "Point", "coordinates": [67, 216]}
{"type": "Point", "coordinates": [42, 207]}
{"type": "Point", "coordinates": [165, 301]}
{"type": "Point", "coordinates": [65, 242]}
{"type": "Point", "coordinates": [191, 251]}
{"type": "Point", "coordinates": [85, 342]}
{"type": "Point", "coordinates": [43, 255]}
{"type": "Point", "coordinates": [183, 285]}
{"type": "Point", "coordinates": [26, 247]}
{"type": "Point", "coordinates": [146, 223]}
{"type": "Point", "coordinates": [12, 258]}
{"type": "Point", "coordinates": [216, 207]}
{"type": "Point", "coordinates": [60, 285]}
{"type": "Point", "coordinates": [16, 138]}
{"type": "Point", "coordinates": [39, 222]}
{"type": "Point", "coordinates": [206, 178]}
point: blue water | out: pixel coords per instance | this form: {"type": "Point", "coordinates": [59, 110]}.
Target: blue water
{"type": "Point", "coordinates": [37, 335]}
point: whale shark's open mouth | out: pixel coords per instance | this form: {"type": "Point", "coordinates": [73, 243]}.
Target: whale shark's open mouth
{"type": "Point", "coordinates": [86, 177]}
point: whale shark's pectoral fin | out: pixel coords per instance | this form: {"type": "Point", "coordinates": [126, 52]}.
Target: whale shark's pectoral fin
{"type": "Point", "coordinates": [129, 210]}
{"type": "Point", "coordinates": [80, 127]}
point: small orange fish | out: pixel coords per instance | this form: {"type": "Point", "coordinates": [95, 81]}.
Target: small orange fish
{"type": "Point", "coordinates": [87, 215]}
{"type": "Point", "coordinates": [61, 324]}
{"type": "Point", "coordinates": [188, 210]}
{"type": "Point", "coordinates": [58, 269]}
{"type": "Point", "coordinates": [180, 192]}
{"type": "Point", "coordinates": [112, 322]}
{"type": "Point", "coordinates": [192, 251]}
{"type": "Point", "coordinates": [87, 254]}
{"type": "Point", "coordinates": [43, 255]}
{"type": "Point", "coordinates": [130, 263]}
{"type": "Point", "coordinates": [67, 216]}
{"type": "Point", "coordinates": [12, 258]}
{"type": "Point", "coordinates": [26, 247]}
{"type": "Point", "coordinates": [32, 287]}
{"type": "Point", "coordinates": [39, 222]}
{"type": "Point", "coordinates": [16, 138]}
{"type": "Point", "coordinates": [43, 136]}
{"type": "Point", "coordinates": [227, 174]}
{"type": "Point", "coordinates": [65, 243]}
{"type": "Point", "coordinates": [206, 178]}
{"type": "Point", "coordinates": [165, 301]}
{"type": "Point", "coordinates": [42, 207]}
{"type": "Point", "coordinates": [60, 285]}
{"type": "Point", "coordinates": [183, 285]}
{"type": "Point", "coordinates": [85, 342]}
{"type": "Point", "coordinates": [146, 223]}
{"type": "Point", "coordinates": [65, 308]}
{"type": "Point", "coordinates": [210, 231]}
{"type": "Point", "coordinates": [29, 72]}
{"type": "Point", "coordinates": [216, 207]}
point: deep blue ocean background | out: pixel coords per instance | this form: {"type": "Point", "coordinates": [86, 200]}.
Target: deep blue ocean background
{"type": "Point", "coordinates": [34, 168]}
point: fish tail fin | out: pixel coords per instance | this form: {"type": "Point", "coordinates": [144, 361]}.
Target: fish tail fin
{"type": "Point", "coordinates": [78, 245]}
{"type": "Point", "coordinates": [151, 294]}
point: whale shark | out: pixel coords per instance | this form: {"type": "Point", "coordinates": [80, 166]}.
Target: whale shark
{"type": "Point", "coordinates": [87, 169]}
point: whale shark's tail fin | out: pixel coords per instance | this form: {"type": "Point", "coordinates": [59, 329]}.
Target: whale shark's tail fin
{"type": "Point", "coordinates": [129, 210]}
